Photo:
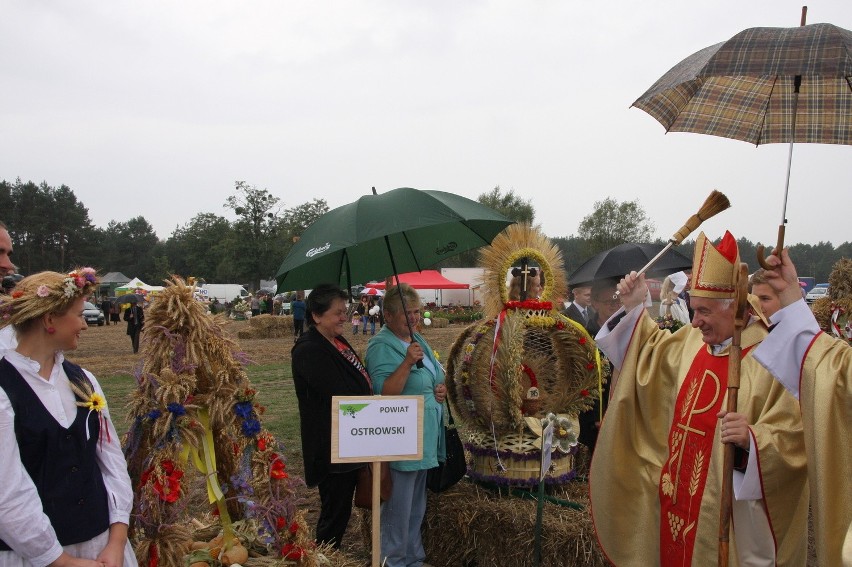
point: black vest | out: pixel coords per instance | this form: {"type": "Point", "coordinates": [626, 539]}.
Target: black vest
{"type": "Point", "coordinates": [61, 462]}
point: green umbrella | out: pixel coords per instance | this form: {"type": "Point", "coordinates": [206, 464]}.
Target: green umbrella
{"type": "Point", "coordinates": [403, 230]}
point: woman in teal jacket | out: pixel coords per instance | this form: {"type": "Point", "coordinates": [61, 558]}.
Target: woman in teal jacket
{"type": "Point", "coordinates": [392, 359]}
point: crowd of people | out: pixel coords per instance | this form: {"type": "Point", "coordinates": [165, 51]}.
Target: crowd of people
{"type": "Point", "coordinates": [658, 457]}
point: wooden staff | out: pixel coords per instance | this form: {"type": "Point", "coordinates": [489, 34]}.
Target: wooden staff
{"type": "Point", "coordinates": [741, 287]}
{"type": "Point", "coordinates": [714, 204]}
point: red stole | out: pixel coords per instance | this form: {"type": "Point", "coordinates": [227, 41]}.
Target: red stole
{"type": "Point", "coordinates": [691, 443]}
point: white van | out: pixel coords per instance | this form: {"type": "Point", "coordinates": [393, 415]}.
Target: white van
{"type": "Point", "coordinates": [225, 291]}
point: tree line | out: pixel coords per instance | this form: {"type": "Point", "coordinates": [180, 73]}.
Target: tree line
{"type": "Point", "coordinates": [51, 230]}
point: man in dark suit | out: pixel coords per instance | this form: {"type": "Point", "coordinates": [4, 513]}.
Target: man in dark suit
{"type": "Point", "coordinates": [580, 309]}
{"type": "Point", "coordinates": [135, 317]}
{"type": "Point", "coordinates": [601, 292]}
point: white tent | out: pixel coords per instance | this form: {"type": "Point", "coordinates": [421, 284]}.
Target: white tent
{"type": "Point", "coordinates": [135, 284]}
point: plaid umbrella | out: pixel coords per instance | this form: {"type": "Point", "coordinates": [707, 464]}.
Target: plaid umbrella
{"type": "Point", "coordinates": [764, 86]}
{"type": "Point", "coordinates": [744, 88]}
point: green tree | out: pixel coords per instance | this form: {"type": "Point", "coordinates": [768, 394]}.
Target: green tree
{"type": "Point", "coordinates": [198, 247]}
{"type": "Point", "coordinates": [254, 233]}
{"type": "Point", "coordinates": [612, 223]}
{"type": "Point", "coordinates": [509, 205]}
{"type": "Point", "coordinates": [130, 247]}
{"type": "Point", "coordinates": [50, 228]}
{"type": "Point", "coordinates": [573, 250]}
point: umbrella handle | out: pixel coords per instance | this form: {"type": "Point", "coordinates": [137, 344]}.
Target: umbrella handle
{"type": "Point", "coordinates": [777, 251]}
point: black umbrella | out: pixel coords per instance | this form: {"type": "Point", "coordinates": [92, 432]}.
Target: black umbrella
{"type": "Point", "coordinates": [624, 258]}
{"type": "Point", "coordinates": [131, 298]}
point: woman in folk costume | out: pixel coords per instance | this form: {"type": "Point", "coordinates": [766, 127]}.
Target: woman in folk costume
{"type": "Point", "coordinates": [65, 494]}
{"type": "Point", "coordinates": [817, 369]}
{"type": "Point", "coordinates": [658, 462]}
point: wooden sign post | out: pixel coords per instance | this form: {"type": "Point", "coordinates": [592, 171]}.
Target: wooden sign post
{"type": "Point", "coordinates": [375, 429]}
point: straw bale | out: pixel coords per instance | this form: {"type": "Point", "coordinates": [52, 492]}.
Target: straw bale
{"type": "Point", "coordinates": [267, 322]}
{"type": "Point", "coordinates": [440, 323]}
{"type": "Point", "coordinates": [250, 334]}
{"type": "Point", "coordinates": [470, 525]}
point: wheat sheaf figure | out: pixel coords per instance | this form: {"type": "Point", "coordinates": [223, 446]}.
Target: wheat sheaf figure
{"type": "Point", "coordinates": [194, 408]}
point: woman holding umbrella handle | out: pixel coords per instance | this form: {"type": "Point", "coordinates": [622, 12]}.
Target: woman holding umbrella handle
{"type": "Point", "coordinates": [392, 357]}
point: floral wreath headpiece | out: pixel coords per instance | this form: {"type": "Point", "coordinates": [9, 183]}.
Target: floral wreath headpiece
{"type": "Point", "coordinates": [46, 292]}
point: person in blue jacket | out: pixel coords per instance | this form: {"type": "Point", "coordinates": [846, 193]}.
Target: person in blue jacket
{"type": "Point", "coordinates": [392, 358]}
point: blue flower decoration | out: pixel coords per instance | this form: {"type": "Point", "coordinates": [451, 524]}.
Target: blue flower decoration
{"type": "Point", "coordinates": [177, 409]}
{"type": "Point", "coordinates": [243, 409]}
{"type": "Point", "coordinates": [154, 414]}
{"type": "Point", "coordinates": [251, 427]}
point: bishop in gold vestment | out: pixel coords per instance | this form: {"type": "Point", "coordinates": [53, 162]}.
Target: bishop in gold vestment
{"type": "Point", "coordinates": [817, 369]}
{"type": "Point", "coordinates": [656, 475]}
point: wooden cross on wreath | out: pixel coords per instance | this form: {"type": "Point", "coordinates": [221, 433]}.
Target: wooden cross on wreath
{"type": "Point", "coordinates": [525, 272]}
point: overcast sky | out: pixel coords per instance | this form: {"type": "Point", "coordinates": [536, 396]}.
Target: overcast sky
{"type": "Point", "coordinates": [173, 101]}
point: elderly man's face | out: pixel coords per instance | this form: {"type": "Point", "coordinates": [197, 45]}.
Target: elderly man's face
{"type": "Point", "coordinates": [713, 319]}
{"type": "Point", "coordinates": [6, 265]}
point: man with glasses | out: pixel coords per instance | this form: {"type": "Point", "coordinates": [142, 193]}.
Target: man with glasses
{"type": "Point", "coordinates": [605, 306]}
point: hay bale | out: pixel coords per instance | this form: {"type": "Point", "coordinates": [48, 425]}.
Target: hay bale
{"type": "Point", "coordinates": [251, 333]}
{"type": "Point", "coordinates": [268, 327]}
{"type": "Point", "coordinates": [440, 323]}
{"type": "Point", "coordinates": [469, 525]}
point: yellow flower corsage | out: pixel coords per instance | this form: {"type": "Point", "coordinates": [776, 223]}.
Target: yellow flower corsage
{"type": "Point", "coordinates": [96, 402]}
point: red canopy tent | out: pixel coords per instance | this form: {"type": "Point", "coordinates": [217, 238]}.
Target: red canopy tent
{"type": "Point", "coordinates": [427, 279]}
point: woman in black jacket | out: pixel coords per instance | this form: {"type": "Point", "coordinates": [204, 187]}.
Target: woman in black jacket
{"type": "Point", "coordinates": [325, 365]}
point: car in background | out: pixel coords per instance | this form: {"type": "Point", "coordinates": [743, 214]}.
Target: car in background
{"type": "Point", "coordinates": [816, 293]}
{"type": "Point", "coordinates": [93, 315]}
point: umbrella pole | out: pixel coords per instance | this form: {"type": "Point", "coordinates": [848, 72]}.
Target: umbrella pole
{"type": "Point", "coordinates": [401, 296]}
{"type": "Point", "coordinates": [779, 245]}
{"type": "Point", "coordinates": [733, 390]}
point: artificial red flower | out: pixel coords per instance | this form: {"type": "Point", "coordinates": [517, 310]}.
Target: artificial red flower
{"type": "Point", "coordinates": [17, 293]}
{"type": "Point", "coordinates": [168, 474]}
{"type": "Point", "coordinates": [584, 393]}
{"type": "Point", "coordinates": [292, 551]}
{"type": "Point", "coordinates": [560, 325]}
{"type": "Point", "coordinates": [582, 340]}
{"type": "Point", "coordinates": [277, 469]}
{"type": "Point", "coordinates": [280, 522]}
{"type": "Point", "coordinates": [294, 528]}
{"type": "Point", "coordinates": [590, 365]}
{"type": "Point", "coordinates": [261, 444]}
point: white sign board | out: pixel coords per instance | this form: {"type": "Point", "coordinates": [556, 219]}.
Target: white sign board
{"type": "Point", "coordinates": [376, 428]}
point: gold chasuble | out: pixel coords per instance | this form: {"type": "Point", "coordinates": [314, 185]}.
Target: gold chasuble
{"type": "Point", "coordinates": [656, 476]}
{"type": "Point", "coordinates": [826, 397]}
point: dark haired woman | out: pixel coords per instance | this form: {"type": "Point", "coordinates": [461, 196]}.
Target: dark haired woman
{"type": "Point", "coordinates": [325, 365]}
